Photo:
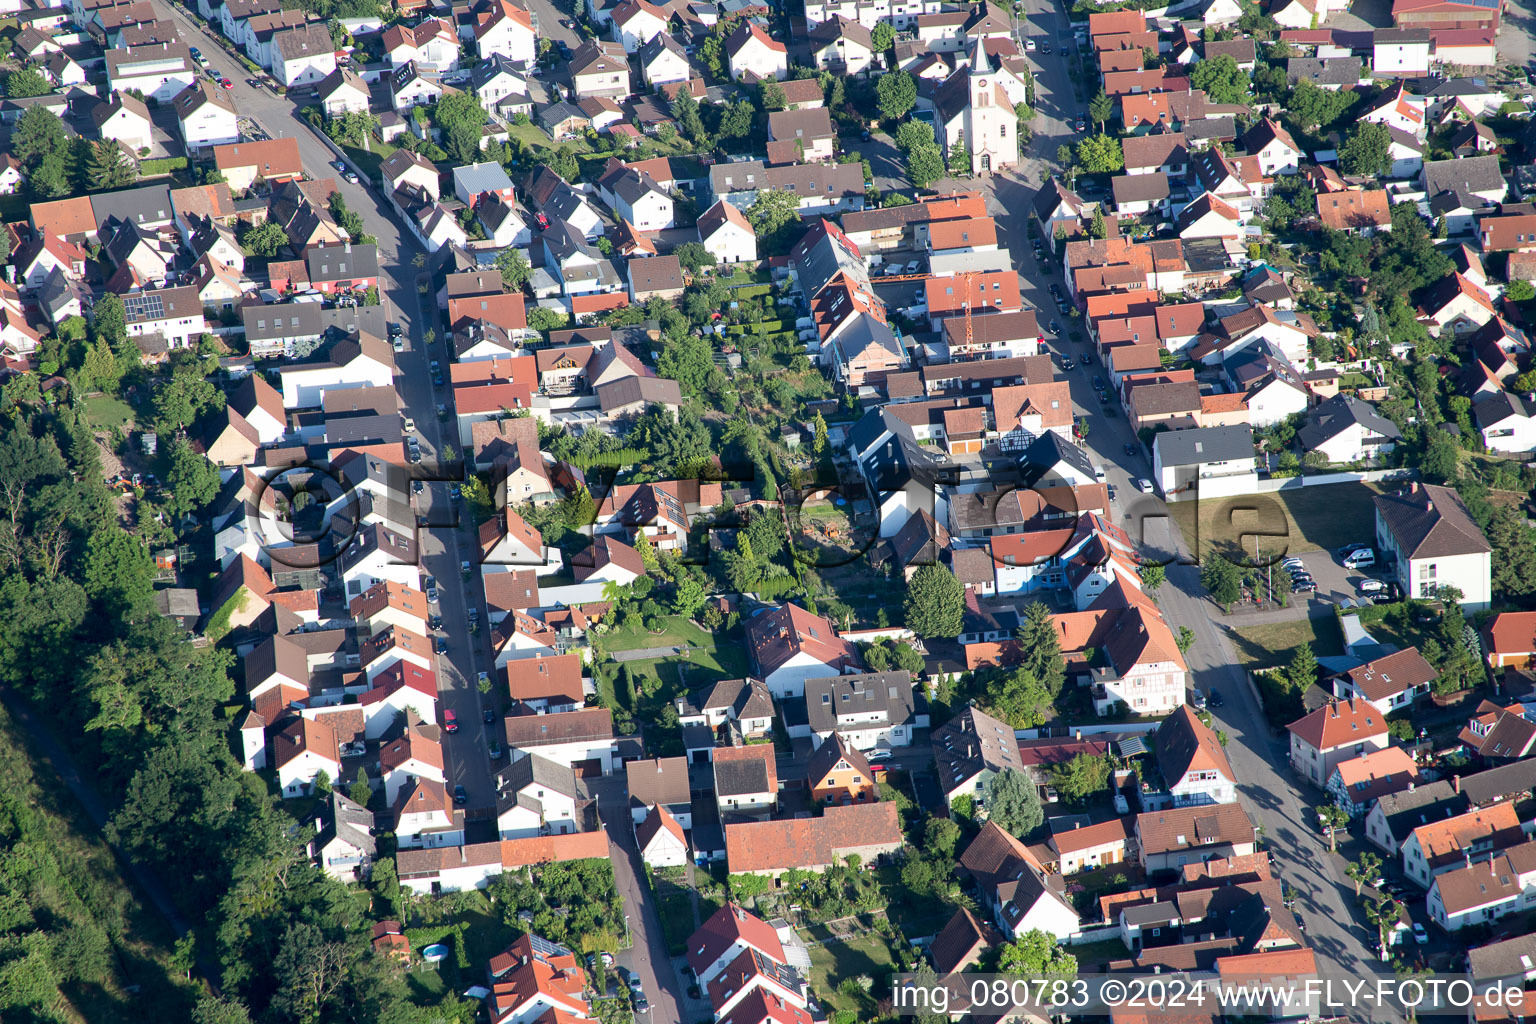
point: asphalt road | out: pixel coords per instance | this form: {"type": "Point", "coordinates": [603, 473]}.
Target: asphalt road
{"type": "Point", "coordinates": [442, 547]}
{"type": "Point", "coordinates": [647, 953]}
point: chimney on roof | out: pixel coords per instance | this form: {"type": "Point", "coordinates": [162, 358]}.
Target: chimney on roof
{"type": "Point", "coordinates": [1413, 488]}
{"type": "Point", "coordinates": [1456, 783]}
{"type": "Point", "coordinates": [1429, 506]}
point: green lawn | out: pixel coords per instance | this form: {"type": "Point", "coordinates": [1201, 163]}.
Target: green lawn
{"type": "Point", "coordinates": [1271, 645]}
{"type": "Point", "coordinates": [369, 159]}
{"type": "Point", "coordinates": [838, 961]}
{"type": "Point", "coordinates": [1308, 519]}
{"type": "Point", "coordinates": [679, 631]}
{"type": "Point", "coordinates": [105, 412]}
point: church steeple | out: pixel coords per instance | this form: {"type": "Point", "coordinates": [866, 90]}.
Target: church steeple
{"type": "Point", "coordinates": [980, 63]}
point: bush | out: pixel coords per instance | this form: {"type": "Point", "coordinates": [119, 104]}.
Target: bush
{"type": "Point", "coordinates": [149, 168]}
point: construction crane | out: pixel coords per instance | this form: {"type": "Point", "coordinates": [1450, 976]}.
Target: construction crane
{"type": "Point", "coordinates": [965, 277]}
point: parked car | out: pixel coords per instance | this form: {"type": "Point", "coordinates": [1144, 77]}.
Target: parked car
{"type": "Point", "coordinates": [440, 645]}
{"type": "Point", "coordinates": [1199, 699]}
{"type": "Point", "coordinates": [1144, 485]}
{"type": "Point", "coordinates": [1087, 359]}
{"type": "Point", "coordinates": [1420, 935]}
{"type": "Point", "coordinates": [1029, 46]}
{"type": "Point", "coordinates": [1214, 698]}
{"type": "Point", "coordinates": [1055, 328]}
{"type": "Point", "coordinates": [1130, 449]}
{"type": "Point", "coordinates": [450, 721]}
{"type": "Point", "coordinates": [1291, 563]}
{"type": "Point", "coordinates": [1303, 587]}
{"type": "Point", "coordinates": [1364, 558]}
{"type": "Point", "coordinates": [1370, 586]}
{"type": "Point", "coordinates": [495, 750]}
{"type": "Point", "coordinates": [226, 83]}
{"type": "Point", "coordinates": [460, 795]}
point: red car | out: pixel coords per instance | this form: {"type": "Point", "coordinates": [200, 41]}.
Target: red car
{"type": "Point", "coordinates": [450, 722]}
{"type": "Point", "coordinates": [226, 83]}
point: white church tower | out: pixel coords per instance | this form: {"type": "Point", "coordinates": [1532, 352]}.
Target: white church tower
{"type": "Point", "coordinates": [991, 128]}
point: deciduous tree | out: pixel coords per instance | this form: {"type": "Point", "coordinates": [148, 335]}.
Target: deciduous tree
{"type": "Point", "coordinates": [1013, 803]}
{"type": "Point", "coordinates": [1100, 154]}
{"type": "Point", "coordinates": [896, 94]}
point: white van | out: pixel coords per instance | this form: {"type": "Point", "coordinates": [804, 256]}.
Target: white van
{"type": "Point", "coordinates": [1361, 559]}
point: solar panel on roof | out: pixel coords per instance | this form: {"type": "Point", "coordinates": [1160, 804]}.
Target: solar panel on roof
{"type": "Point", "coordinates": [1131, 746]}
{"type": "Point", "coordinates": [547, 948]}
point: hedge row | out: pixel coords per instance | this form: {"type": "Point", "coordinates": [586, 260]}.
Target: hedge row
{"type": "Point", "coordinates": [164, 166]}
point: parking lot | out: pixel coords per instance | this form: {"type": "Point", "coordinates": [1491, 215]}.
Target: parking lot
{"type": "Point", "coordinates": [1334, 582]}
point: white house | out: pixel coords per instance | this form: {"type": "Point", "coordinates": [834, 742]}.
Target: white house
{"type": "Point", "coordinates": [583, 739]}
{"type": "Point", "coordinates": [1400, 52]}
{"type": "Point", "coordinates": [1274, 148]}
{"type": "Point", "coordinates": [1345, 429]}
{"type": "Point", "coordinates": [300, 752]}
{"type": "Point", "coordinates": [432, 45]}
{"type": "Point", "coordinates": [536, 797]}
{"type": "Point", "coordinates": [123, 118]}
{"type": "Point", "coordinates": [1504, 419]}
{"type": "Point", "coordinates": [661, 839]}
{"type": "Point", "coordinates": [1427, 534]}
{"type": "Point", "coordinates": [752, 54]}
{"type": "Point", "coordinates": [1016, 888]}
{"type": "Point", "coordinates": [408, 88]}
{"type": "Point", "coordinates": [206, 115]}
{"type": "Point", "coordinates": [358, 362]}
{"type": "Point", "coordinates": [662, 61]}
{"type": "Point", "coordinates": [415, 754]}
{"type": "Point", "coordinates": [1389, 683]}
{"type": "Point", "coordinates": [425, 816]}
{"type": "Point", "coordinates": [725, 231]}
{"type": "Point", "coordinates": [157, 71]}
{"type": "Point", "coordinates": [1336, 732]}
{"type": "Point", "coordinates": [867, 709]}
{"type": "Point", "coordinates": [343, 92]}
{"type": "Point", "coordinates": [508, 33]}
{"type": "Point", "coordinates": [1194, 766]}
{"type": "Point", "coordinates": [1204, 460]}
{"type": "Point", "coordinates": [789, 645]}
{"type": "Point", "coordinates": [1480, 894]}
{"type": "Point", "coordinates": [303, 55]}
{"type": "Point", "coordinates": [636, 22]}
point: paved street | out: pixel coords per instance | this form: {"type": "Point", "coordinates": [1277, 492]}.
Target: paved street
{"type": "Point", "coordinates": [442, 546]}
{"type": "Point", "coordinates": [647, 955]}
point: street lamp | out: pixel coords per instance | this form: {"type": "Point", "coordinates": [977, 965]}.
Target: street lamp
{"type": "Point", "coordinates": [626, 928]}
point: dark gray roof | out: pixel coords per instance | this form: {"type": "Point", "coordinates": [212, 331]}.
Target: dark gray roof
{"type": "Point", "coordinates": [1330, 71]}
{"type": "Point", "coordinates": [1408, 809]}
{"type": "Point", "coordinates": [1140, 188]}
{"type": "Point", "coordinates": [345, 262]}
{"type": "Point", "coordinates": [866, 693]}
{"type": "Point", "coordinates": [1513, 780]}
{"type": "Point", "coordinates": [1338, 414]}
{"type": "Point", "coordinates": [348, 822]}
{"type": "Point", "coordinates": [1430, 522]}
{"type": "Point", "coordinates": [746, 698]}
{"type": "Point", "coordinates": [1512, 958]}
{"type": "Point", "coordinates": [1493, 408]}
{"type": "Point", "coordinates": [1463, 86]}
{"type": "Point", "coordinates": [536, 771]}
{"type": "Point", "coordinates": [149, 206]}
{"type": "Point", "coordinates": [737, 778]}
{"type": "Point", "coordinates": [1050, 449]}
{"type": "Point", "coordinates": [1204, 444]}
{"type": "Point", "coordinates": [1471, 174]}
